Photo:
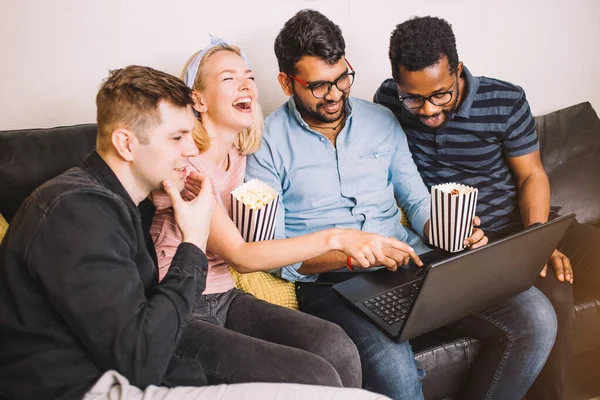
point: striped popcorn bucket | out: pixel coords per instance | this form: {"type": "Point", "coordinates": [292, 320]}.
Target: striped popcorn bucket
{"type": "Point", "coordinates": [254, 208]}
{"type": "Point", "coordinates": [452, 211]}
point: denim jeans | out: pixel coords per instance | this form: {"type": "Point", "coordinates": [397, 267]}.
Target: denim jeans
{"type": "Point", "coordinates": [388, 367]}
{"type": "Point", "coordinates": [239, 338]}
{"type": "Point", "coordinates": [517, 336]}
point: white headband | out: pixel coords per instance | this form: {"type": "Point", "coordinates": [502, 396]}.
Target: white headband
{"type": "Point", "coordinates": [191, 71]}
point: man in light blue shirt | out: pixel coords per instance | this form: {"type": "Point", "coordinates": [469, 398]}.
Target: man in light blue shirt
{"type": "Point", "coordinates": [354, 184]}
{"type": "Point", "coordinates": [343, 162]}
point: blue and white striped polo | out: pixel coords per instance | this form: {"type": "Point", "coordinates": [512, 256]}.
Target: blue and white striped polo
{"type": "Point", "coordinates": [493, 122]}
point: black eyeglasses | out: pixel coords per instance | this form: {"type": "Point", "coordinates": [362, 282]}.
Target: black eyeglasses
{"type": "Point", "coordinates": [439, 99]}
{"type": "Point", "coordinates": [320, 90]}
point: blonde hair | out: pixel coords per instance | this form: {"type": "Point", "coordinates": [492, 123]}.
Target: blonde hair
{"type": "Point", "coordinates": [247, 141]}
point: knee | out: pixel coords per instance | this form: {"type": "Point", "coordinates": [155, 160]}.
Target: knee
{"type": "Point", "coordinates": [540, 320]}
{"type": "Point", "coordinates": [334, 345]}
{"type": "Point", "coordinates": [314, 370]}
{"type": "Point", "coordinates": [388, 357]}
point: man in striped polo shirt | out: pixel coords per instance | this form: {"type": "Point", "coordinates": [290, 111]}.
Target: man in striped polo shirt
{"type": "Point", "coordinates": [480, 132]}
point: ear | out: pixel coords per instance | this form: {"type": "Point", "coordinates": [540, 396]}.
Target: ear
{"type": "Point", "coordinates": [123, 141]}
{"type": "Point", "coordinates": [198, 105]}
{"type": "Point", "coordinates": [459, 68]}
{"type": "Point", "coordinates": [286, 83]}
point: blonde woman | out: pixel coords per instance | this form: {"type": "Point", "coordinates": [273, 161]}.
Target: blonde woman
{"type": "Point", "coordinates": [240, 338]}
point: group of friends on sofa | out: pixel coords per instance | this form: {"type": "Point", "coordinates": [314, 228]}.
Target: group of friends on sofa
{"type": "Point", "coordinates": [114, 278]}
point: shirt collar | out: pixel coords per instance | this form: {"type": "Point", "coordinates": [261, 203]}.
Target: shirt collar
{"type": "Point", "coordinates": [95, 165]}
{"type": "Point", "coordinates": [464, 110]}
{"type": "Point", "coordinates": [294, 113]}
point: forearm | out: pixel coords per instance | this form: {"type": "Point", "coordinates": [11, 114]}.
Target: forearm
{"type": "Point", "coordinates": [270, 254]}
{"type": "Point", "coordinates": [101, 297]}
{"type": "Point", "coordinates": [534, 198]}
{"type": "Point", "coordinates": [330, 261]}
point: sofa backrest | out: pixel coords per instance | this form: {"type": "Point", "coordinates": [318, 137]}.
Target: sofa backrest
{"type": "Point", "coordinates": [570, 151]}
{"type": "Point", "coordinates": [569, 140]}
{"type": "Point", "coordinates": [29, 157]}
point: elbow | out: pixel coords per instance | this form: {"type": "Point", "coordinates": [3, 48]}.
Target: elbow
{"type": "Point", "coordinates": [242, 268]}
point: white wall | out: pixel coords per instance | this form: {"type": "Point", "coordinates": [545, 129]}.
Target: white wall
{"type": "Point", "coordinates": [54, 54]}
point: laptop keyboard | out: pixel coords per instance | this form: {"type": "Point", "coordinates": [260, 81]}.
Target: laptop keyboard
{"type": "Point", "coordinates": [393, 306]}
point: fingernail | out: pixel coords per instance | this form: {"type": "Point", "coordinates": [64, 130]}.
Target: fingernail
{"type": "Point", "coordinates": [411, 249]}
{"type": "Point", "coordinates": [561, 277]}
{"type": "Point", "coordinates": [167, 184]}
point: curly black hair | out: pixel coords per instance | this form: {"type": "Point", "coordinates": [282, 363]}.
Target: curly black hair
{"type": "Point", "coordinates": [308, 33]}
{"type": "Point", "coordinates": [420, 42]}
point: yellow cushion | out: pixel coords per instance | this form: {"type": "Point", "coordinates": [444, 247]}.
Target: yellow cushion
{"type": "Point", "coordinates": [3, 227]}
{"type": "Point", "coordinates": [267, 287]}
{"type": "Point", "coordinates": [403, 218]}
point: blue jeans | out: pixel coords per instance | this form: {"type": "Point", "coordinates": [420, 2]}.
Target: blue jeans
{"type": "Point", "coordinates": [517, 334]}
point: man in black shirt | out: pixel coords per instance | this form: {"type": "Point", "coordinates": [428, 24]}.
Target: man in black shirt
{"type": "Point", "coordinates": [81, 308]}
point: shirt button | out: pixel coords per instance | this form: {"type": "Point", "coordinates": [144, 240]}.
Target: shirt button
{"type": "Point", "coordinates": [440, 143]}
{"type": "Point", "coordinates": [376, 155]}
{"type": "Point", "coordinates": [323, 139]}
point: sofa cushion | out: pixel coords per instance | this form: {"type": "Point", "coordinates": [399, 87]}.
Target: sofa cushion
{"type": "Point", "coordinates": [30, 157]}
{"type": "Point", "coordinates": [3, 227]}
{"type": "Point", "coordinates": [587, 323]}
{"type": "Point", "coordinates": [267, 287]}
{"type": "Point", "coordinates": [570, 151]}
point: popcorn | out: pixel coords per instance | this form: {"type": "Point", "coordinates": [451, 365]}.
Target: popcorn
{"type": "Point", "coordinates": [254, 209]}
{"type": "Point", "coordinates": [253, 197]}
{"type": "Point", "coordinates": [455, 189]}
{"type": "Point", "coordinates": [452, 210]}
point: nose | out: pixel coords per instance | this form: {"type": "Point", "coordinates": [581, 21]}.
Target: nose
{"type": "Point", "coordinates": [245, 85]}
{"type": "Point", "coordinates": [190, 149]}
{"type": "Point", "coordinates": [429, 109]}
{"type": "Point", "coordinates": [334, 94]}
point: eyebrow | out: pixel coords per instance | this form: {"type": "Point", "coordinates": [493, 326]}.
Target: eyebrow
{"type": "Point", "coordinates": [430, 94]}
{"type": "Point", "coordinates": [319, 82]}
{"type": "Point", "coordinates": [233, 71]}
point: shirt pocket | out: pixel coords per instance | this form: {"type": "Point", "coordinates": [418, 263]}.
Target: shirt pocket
{"type": "Point", "coordinates": [371, 172]}
{"type": "Point", "coordinates": [375, 155]}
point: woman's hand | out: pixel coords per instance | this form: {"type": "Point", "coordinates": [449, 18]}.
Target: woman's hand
{"type": "Point", "coordinates": [369, 250]}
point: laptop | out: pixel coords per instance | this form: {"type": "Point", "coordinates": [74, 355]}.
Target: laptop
{"type": "Point", "coordinates": [413, 301]}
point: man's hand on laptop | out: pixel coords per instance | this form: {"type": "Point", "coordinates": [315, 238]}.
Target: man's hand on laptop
{"type": "Point", "coordinates": [370, 250]}
{"type": "Point", "coordinates": [477, 238]}
{"type": "Point", "coordinates": [562, 267]}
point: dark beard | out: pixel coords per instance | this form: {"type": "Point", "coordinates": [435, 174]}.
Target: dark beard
{"type": "Point", "coordinates": [305, 111]}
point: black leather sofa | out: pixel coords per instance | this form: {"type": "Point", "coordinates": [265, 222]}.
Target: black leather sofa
{"type": "Point", "coordinates": [570, 141]}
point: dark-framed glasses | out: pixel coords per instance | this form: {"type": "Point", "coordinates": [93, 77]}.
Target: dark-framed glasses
{"type": "Point", "coordinates": [321, 89]}
{"type": "Point", "coordinates": [439, 99]}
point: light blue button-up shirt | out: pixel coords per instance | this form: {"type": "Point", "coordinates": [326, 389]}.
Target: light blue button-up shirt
{"type": "Point", "coordinates": [357, 184]}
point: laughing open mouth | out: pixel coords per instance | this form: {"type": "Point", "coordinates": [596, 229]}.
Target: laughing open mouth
{"type": "Point", "coordinates": [243, 104]}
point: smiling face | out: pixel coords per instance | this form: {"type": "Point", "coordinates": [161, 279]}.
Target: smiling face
{"type": "Point", "coordinates": [167, 153]}
{"type": "Point", "coordinates": [228, 93]}
{"type": "Point", "coordinates": [429, 81]}
{"type": "Point", "coordinates": [313, 70]}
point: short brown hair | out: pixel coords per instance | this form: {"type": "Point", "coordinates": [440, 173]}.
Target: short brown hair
{"type": "Point", "coordinates": [129, 98]}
